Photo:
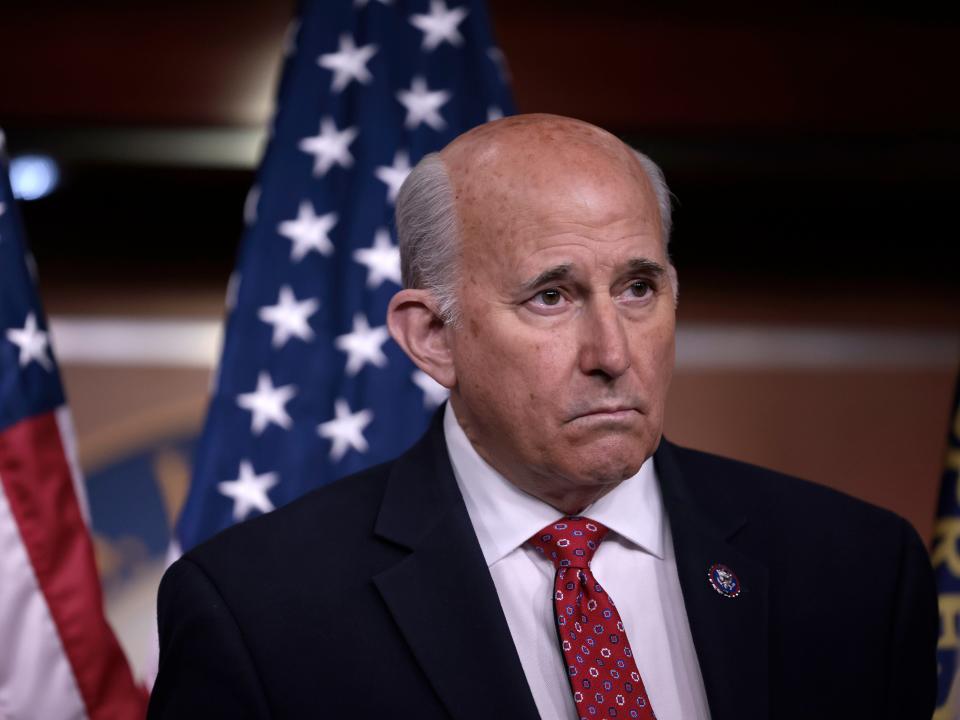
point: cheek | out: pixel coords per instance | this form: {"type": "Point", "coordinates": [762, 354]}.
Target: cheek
{"type": "Point", "coordinates": [517, 370]}
{"type": "Point", "coordinates": [537, 367]}
{"type": "Point", "coordinates": [510, 372]}
{"type": "Point", "coordinates": [662, 349]}
{"type": "Point", "coordinates": [660, 361]}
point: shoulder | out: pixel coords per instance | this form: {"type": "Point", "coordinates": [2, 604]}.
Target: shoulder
{"type": "Point", "coordinates": [781, 508]}
{"type": "Point", "coordinates": [720, 480]}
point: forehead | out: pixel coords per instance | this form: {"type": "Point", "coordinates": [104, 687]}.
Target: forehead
{"type": "Point", "coordinates": [528, 155]}
{"type": "Point", "coordinates": [539, 195]}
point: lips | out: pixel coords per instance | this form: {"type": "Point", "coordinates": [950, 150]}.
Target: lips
{"type": "Point", "coordinates": [611, 412]}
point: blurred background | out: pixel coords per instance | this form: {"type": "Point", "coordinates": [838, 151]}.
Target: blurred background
{"type": "Point", "coordinates": [813, 150]}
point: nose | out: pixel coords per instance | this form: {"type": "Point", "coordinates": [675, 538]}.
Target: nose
{"type": "Point", "coordinates": [604, 348]}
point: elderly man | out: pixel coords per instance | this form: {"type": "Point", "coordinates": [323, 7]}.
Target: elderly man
{"type": "Point", "coordinates": [543, 551]}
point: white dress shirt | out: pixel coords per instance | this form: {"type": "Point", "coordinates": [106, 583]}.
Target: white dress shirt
{"type": "Point", "coordinates": [635, 564]}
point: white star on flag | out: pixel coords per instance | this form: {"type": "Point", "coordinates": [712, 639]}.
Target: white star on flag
{"type": "Point", "coordinates": [382, 260]}
{"type": "Point", "coordinates": [494, 113]}
{"type": "Point", "coordinates": [249, 491]}
{"type": "Point", "coordinates": [348, 63]}
{"type": "Point", "coordinates": [363, 345]}
{"type": "Point", "coordinates": [3, 206]}
{"type": "Point", "coordinates": [345, 430]}
{"type": "Point", "coordinates": [394, 175]}
{"type": "Point", "coordinates": [289, 317]}
{"type": "Point", "coordinates": [33, 343]}
{"type": "Point", "coordinates": [330, 147]}
{"type": "Point", "coordinates": [267, 404]}
{"type": "Point", "coordinates": [433, 392]}
{"type": "Point", "coordinates": [422, 104]}
{"type": "Point", "coordinates": [440, 25]}
{"type": "Point", "coordinates": [308, 231]}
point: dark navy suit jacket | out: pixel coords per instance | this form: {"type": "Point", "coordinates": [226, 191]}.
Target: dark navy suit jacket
{"type": "Point", "coordinates": [370, 598]}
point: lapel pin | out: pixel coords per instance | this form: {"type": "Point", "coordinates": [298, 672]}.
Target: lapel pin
{"type": "Point", "coordinates": [724, 580]}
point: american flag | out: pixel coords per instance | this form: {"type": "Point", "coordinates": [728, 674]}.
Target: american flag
{"type": "Point", "coordinates": [310, 387]}
{"type": "Point", "coordinates": [58, 656]}
{"type": "Point", "coordinates": [946, 564]}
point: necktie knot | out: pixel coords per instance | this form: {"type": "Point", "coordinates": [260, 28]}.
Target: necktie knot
{"type": "Point", "coordinates": [570, 541]}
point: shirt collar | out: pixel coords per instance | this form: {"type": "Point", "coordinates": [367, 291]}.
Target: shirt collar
{"type": "Point", "coordinates": [504, 517]}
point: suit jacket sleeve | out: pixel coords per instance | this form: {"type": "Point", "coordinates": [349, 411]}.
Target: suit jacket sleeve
{"type": "Point", "coordinates": [912, 680]}
{"type": "Point", "coordinates": [206, 670]}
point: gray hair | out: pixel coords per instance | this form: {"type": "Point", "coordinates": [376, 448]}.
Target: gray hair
{"type": "Point", "coordinates": [661, 191]}
{"type": "Point", "coordinates": [427, 229]}
{"type": "Point", "coordinates": [428, 235]}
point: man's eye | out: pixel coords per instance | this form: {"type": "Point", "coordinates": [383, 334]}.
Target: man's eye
{"type": "Point", "coordinates": [639, 288]}
{"type": "Point", "coordinates": [550, 297]}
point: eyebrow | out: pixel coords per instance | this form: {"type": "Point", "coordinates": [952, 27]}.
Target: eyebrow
{"type": "Point", "coordinates": [643, 266]}
{"type": "Point", "coordinates": [558, 273]}
{"type": "Point", "coordinates": [550, 275]}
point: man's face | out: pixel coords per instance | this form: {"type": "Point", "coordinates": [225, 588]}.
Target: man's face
{"type": "Point", "coordinates": [565, 348]}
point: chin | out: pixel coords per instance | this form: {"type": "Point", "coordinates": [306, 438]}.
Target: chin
{"type": "Point", "coordinates": [607, 466]}
{"type": "Point", "coordinates": [614, 447]}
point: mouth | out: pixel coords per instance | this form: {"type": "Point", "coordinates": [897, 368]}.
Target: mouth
{"type": "Point", "coordinates": [616, 413]}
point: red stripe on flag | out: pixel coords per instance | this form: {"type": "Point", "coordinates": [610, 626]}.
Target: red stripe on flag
{"type": "Point", "coordinates": [37, 481]}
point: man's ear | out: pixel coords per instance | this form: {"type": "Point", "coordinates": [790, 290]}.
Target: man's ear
{"type": "Point", "coordinates": [414, 321]}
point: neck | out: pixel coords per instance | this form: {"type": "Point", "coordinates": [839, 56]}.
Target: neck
{"type": "Point", "coordinates": [573, 502]}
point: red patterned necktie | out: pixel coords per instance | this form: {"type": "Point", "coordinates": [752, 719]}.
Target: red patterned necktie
{"type": "Point", "coordinates": [603, 674]}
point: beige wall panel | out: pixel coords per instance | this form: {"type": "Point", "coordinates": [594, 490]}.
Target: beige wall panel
{"type": "Point", "coordinates": [120, 409]}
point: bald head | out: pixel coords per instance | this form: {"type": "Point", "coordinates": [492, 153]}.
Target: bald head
{"type": "Point", "coordinates": [484, 179]}
{"type": "Point", "coordinates": [534, 147]}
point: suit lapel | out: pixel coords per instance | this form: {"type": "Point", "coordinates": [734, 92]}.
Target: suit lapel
{"type": "Point", "coordinates": [729, 633]}
{"type": "Point", "coordinates": [441, 595]}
